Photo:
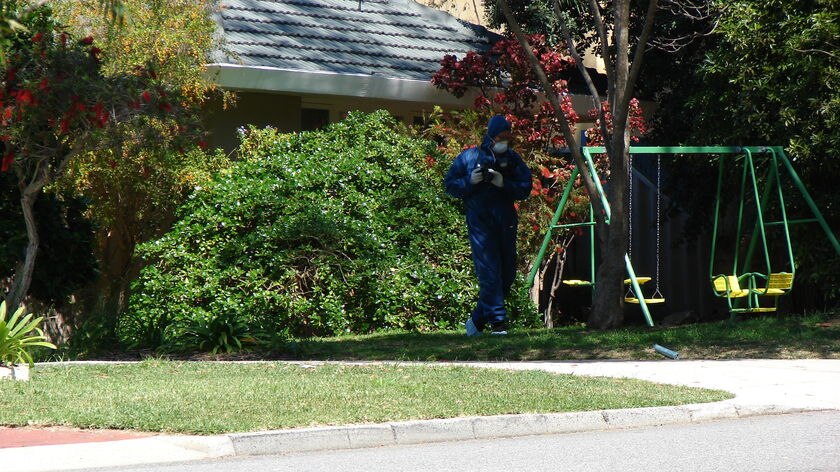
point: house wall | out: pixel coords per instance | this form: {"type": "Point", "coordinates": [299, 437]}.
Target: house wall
{"type": "Point", "coordinates": [339, 106]}
{"type": "Point", "coordinates": [292, 113]}
{"type": "Point", "coordinates": [285, 113]}
{"type": "Point", "coordinates": [259, 109]}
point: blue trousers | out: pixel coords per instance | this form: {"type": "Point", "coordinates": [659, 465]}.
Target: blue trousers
{"type": "Point", "coordinates": [494, 256]}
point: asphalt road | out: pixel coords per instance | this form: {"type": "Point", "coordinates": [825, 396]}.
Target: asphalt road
{"type": "Point", "coordinates": [795, 442]}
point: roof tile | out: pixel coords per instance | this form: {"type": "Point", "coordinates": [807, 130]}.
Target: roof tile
{"type": "Point", "coordinates": [393, 38]}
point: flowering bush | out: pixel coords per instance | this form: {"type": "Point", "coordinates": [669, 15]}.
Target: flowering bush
{"type": "Point", "coordinates": [507, 85]}
{"type": "Point", "coordinates": [54, 97]}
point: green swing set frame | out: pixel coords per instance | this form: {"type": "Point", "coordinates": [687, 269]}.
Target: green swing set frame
{"type": "Point", "coordinates": [733, 287]}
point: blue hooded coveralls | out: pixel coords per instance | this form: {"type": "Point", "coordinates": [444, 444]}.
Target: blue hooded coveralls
{"type": "Point", "coordinates": [491, 220]}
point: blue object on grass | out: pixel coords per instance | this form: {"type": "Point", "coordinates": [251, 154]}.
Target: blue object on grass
{"type": "Point", "coordinates": [666, 352]}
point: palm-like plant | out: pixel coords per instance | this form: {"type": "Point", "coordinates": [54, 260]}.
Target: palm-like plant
{"type": "Point", "coordinates": [17, 335]}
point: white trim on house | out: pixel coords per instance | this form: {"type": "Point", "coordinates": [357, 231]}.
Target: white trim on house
{"type": "Point", "coordinates": [296, 82]}
{"type": "Point", "coordinates": [270, 79]}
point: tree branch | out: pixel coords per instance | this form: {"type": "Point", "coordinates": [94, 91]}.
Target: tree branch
{"type": "Point", "coordinates": [699, 11]}
{"type": "Point", "coordinates": [565, 126]}
{"type": "Point", "coordinates": [596, 98]}
{"type": "Point", "coordinates": [640, 51]}
{"type": "Point", "coordinates": [816, 50]}
{"type": "Point", "coordinates": [609, 65]}
{"type": "Point", "coordinates": [621, 37]}
{"type": "Point", "coordinates": [600, 26]}
{"type": "Point", "coordinates": [675, 44]}
{"type": "Point", "coordinates": [63, 163]}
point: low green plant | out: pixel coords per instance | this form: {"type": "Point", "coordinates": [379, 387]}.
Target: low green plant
{"type": "Point", "coordinates": [16, 337]}
{"type": "Point", "coordinates": [93, 336]}
{"type": "Point", "coordinates": [224, 332]}
{"type": "Point", "coordinates": [149, 331]}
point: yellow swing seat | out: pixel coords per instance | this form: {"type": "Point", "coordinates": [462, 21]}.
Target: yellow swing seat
{"type": "Point", "coordinates": [649, 301]}
{"type": "Point", "coordinates": [753, 310]}
{"type": "Point", "coordinates": [729, 287]}
{"type": "Point", "coordinates": [778, 284]}
{"type": "Point", "coordinates": [641, 280]}
{"type": "Point", "coordinates": [578, 283]}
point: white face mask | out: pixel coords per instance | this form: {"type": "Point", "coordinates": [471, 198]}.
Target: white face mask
{"type": "Point", "coordinates": [500, 147]}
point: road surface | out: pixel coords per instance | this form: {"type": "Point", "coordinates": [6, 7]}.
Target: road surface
{"type": "Point", "coordinates": [793, 442]}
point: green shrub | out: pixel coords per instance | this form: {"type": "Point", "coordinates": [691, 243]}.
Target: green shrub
{"type": "Point", "coordinates": [319, 233]}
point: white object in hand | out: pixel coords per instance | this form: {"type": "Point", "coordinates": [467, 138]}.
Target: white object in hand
{"type": "Point", "coordinates": [497, 179]}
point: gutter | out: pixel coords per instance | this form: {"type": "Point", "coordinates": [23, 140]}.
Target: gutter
{"type": "Point", "coordinates": [269, 79]}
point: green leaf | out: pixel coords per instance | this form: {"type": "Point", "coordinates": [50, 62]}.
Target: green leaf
{"type": "Point", "coordinates": [16, 26]}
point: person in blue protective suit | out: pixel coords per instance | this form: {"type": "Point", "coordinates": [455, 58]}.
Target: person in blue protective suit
{"type": "Point", "coordinates": [489, 178]}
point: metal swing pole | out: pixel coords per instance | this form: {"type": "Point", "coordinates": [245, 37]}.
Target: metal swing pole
{"type": "Point", "coordinates": [657, 293]}
{"type": "Point", "coordinates": [759, 213]}
{"type": "Point", "coordinates": [740, 215]}
{"type": "Point", "coordinates": [808, 200]}
{"type": "Point", "coordinates": [773, 178]}
{"type": "Point", "coordinates": [784, 210]}
{"type": "Point", "coordinates": [765, 199]}
{"type": "Point", "coordinates": [554, 219]}
{"type": "Point", "coordinates": [717, 218]}
{"type": "Point", "coordinates": [634, 282]}
{"type": "Point", "coordinates": [592, 250]}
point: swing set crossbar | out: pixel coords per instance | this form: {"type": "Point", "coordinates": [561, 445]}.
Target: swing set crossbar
{"type": "Point", "coordinates": [792, 222]}
{"type": "Point", "coordinates": [697, 150]}
{"type": "Point", "coordinates": [574, 225]}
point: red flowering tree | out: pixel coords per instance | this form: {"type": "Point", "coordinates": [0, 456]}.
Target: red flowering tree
{"type": "Point", "coordinates": [55, 103]}
{"type": "Point", "coordinates": [506, 83]}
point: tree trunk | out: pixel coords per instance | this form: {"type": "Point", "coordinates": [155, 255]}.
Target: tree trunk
{"type": "Point", "coordinates": [30, 188]}
{"type": "Point", "coordinates": [116, 257]}
{"type": "Point", "coordinates": [608, 309]}
{"type": "Point", "coordinates": [24, 270]}
{"type": "Point", "coordinates": [559, 263]}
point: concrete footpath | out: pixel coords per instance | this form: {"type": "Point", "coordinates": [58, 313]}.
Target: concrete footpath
{"type": "Point", "coordinates": [760, 387]}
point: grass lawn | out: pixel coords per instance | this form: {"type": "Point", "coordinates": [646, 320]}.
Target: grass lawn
{"type": "Point", "coordinates": [791, 337]}
{"type": "Point", "coordinates": [208, 398]}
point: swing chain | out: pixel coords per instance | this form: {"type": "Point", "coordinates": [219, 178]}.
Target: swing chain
{"type": "Point", "coordinates": [657, 294]}
{"type": "Point", "coordinates": [630, 293]}
{"type": "Point", "coordinates": [630, 209]}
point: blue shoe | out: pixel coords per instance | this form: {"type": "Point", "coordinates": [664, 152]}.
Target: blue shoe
{"type": "Point", "coordinates": [471, 329]}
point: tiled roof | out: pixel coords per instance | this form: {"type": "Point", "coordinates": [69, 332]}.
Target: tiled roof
{"type": "Point", "coordinates": [391, 38]}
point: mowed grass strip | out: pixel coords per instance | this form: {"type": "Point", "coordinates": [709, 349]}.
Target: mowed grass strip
{"type": "Point", "coordinates": [210, 398]}
{"type": "Point", "coordinates": [772, 337]}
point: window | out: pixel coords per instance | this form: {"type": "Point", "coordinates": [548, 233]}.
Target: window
{"type": "Point", "coordinates": [313, 118]}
